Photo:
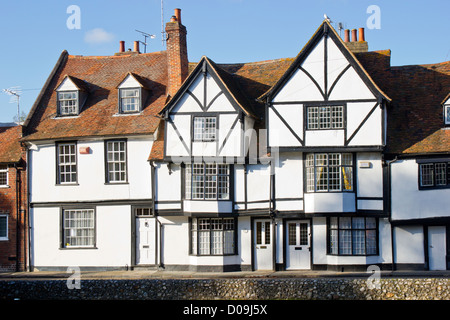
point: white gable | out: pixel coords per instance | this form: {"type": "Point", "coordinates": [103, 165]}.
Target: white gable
{"type": "Point", "coordinates": [67, 85]}
{"type": "Point", "coordinates": [129, 82]}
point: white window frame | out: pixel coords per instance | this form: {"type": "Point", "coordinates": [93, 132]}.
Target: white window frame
{"type": "Point", "coordinates": [329, 172]}
{"type": "Point", "coordinates": [213, 236]}
{"type": "Point", "coordinates": [447, 114]}
{"type": "Point", "coordinates": [205, 181]}
{"type": "Point", "coordinates": [328, 117]}
{"type": "Point", "coordinates": [204, 128]}
{"type": "Point", "coordinates": [67, 163]}
{"type": "Point", "coordinates": [130, 103]}
{"type": "Point", "coordinates": [116, 161]}
{"type": "Point", "coordinates": [68, 106]}
{"type": "Point", "coordinates": [78, 228]}
{"type": "Point", "coordinates": [5, 236]}
{"type": "Point", "coordinates": [4, 172]}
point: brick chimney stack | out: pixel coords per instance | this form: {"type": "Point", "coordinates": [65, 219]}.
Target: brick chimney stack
{"type": "Point", "coordinates": [177, 53]}
{"type": "Point", "coordinates": [354, 44]}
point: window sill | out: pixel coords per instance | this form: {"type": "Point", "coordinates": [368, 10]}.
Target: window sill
{"type": "Point", "coordinates": [77, 248]}
{"type": "Point", "coordinates": [115, 183]}
{"type": "Point", "coordinates": [5, 187]}
{"type": "Point", "coordinates": [66, 184]}
{"type": "Point", "coordinates": [124, 114]}
{"type": "Point", "coordinates": [4, 239]}
{"type": "Point", "coordinates": [72, 116]}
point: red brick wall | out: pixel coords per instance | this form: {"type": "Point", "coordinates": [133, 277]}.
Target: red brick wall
{"type": "Point", "coordinates": [10, 258]}
{"type": "Point", "coordinates": [177, 56]}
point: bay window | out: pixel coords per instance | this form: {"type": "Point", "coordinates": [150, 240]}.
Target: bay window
{"type": "Point", "coordinates": [207, 181]}
{"type": "Point", "coordinates": [329, 172]}
{"type": "Point", "coordinates": [352, 236]}
{"type": "Point", "coordinates": [213, 236]}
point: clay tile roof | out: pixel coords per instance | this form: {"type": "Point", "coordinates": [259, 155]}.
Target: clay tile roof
{"type": "Point", "coordinates": [10, 149]}
{"type": "Point", "coordinates": [100, 76]}
{"type": "Point", "coordinates": [157, 152]}
{"type": "Point", "coordinates": [415, 114]}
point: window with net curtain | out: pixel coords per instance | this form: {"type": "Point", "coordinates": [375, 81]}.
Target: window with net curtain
{"type": "Point", "coordinates": [328, 172]}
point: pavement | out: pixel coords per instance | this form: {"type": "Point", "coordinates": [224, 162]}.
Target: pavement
{"type": "Point", "coordinates": [163, 274]}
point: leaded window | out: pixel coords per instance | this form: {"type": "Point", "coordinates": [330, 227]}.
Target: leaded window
{"type": "Point", "coordinates": [213, 236]}
{"type": "Point", "coordinates": [352, 236]}
{"type": "Point", "coordinates": [207, 181]}
{"type": "Point", "coordinates": [325, 117]}
{"type": "Point", "coordinates": [67, 163]}
{"type": "Point", "coordinates": [116, 161]}
{"type": "Point", "coordinates": [434, 175]}
{"type": "Point", "coordinates": [68, 103]}
{"type": "Point", "coordinates": [205, 128]}
{"type": "Point", "coordinates": [78, 228]}
{"type": "Point", "coordinates": [329, 172]}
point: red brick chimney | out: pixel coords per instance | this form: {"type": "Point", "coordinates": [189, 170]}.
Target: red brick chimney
{"type": "Point", "coordinates": [177, 53]}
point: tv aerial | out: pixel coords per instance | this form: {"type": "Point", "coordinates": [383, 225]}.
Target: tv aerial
{"type": "Point", "coordinates": [146, 35]}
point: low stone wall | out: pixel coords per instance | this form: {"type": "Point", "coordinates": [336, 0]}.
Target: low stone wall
{"type": "Point", "coordinates": [230, 289]}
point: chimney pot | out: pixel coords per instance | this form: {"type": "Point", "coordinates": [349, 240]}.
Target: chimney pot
{"type": "Point", "coordinates": [346, 35]}
{"type": "Point", "coordinates": [354, 35]}
{"type": "Point", "coordinates": [361, 34]}
{"type": "Point", "coordinates": [122, 46]}
{"type": "Point", "coordinates": [178, 14]}
{"type": "Point", "coordinates": [136, 46]}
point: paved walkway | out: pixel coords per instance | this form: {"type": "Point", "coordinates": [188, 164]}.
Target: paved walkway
{"type": "Point", "coordinates": [162, 274]}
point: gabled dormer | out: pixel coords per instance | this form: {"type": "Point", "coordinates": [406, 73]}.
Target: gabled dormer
{"type": "Point", "coordinates": [446, 110]}
{"type": "Point", "coordinates": [71, 96]}
{"type": "Point", "coordinates": [132, 94]}
{"type": "Point", "coordinates": [326, 99]}
{"type": "Point", "coordinates": [207, 116]}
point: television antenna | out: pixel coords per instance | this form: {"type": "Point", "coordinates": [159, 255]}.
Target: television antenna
{"type": "Point", "coordinates": [146, 35]}
{"type": "Point", "coordinates": [14, 92]}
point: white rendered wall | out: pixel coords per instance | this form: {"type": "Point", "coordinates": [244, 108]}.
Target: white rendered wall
{"type": "Point", "coordinates": [409, 244]}
{"type": "Point", "coordinates": [408, 202]}
{"type": "Point", "coordinates": [176, 238]}
{"type": "Point", "coordinates": [289, 181]}
{"type": "Point", "coordinates": [112, 232]}
{"type": "Point", "coordinates": [168, 186]}
{"type": "Point", "coordinates": [91, 174]}
{"type": "Point", "coordinates": [369, 180]}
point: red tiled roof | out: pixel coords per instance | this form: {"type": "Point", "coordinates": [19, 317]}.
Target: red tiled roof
{"type": "Point", "coordinates": [98, 116]}
{"type": "Point", "coordinates": [415, 115]}
{"type": "Point", "coordinates": [10, 149]}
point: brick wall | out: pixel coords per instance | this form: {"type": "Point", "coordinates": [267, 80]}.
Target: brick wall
{"type": "Point", "coordinates": [177, 55]}
{"type": "Point", "coordinates": [13, 250]}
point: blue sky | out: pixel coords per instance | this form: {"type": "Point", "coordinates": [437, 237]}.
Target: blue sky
{"type": "Point", "coordinates": [34, 33]}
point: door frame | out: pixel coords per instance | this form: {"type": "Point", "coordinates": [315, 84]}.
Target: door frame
{"type": "Point", "coordinates": [133, 241]}
{"type": "Point", "coordinates": [427, 244]}
{"type": "Point", "coordinates": [285, 244]}
{"type": "Point", "coordinates": [273, 240]}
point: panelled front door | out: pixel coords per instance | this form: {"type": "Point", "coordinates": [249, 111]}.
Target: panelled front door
{"type": "Point", "coordinates": [263, 240]}
{"type": "Point", "coordinates": [298, 253]}
{"type": "Point", "coordinates": [437, 249]}
{"type": "Point", "coordinates": [145, 241]}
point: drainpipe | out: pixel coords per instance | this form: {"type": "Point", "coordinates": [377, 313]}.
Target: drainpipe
{"type": "Point", "coordinates": [17, 217]}
{"type": "Point", "coordinates": [388, 164]}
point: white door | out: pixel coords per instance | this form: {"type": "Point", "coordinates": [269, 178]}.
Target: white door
{"type": "Point", "coordinates": [437, 248]}
{"type": "Point", "coordinates": [145, 241]}
{"type": "Point", "coordinates": [298, 253]}
{"type": "Point", "coordinates": [263, 250]}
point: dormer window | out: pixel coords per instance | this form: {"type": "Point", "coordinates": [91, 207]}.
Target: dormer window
{"type": "Point", "coordinates": [71, 95]}
{"type": "Point", "coordinates": [132, 94]}
{"type": "Point", "coordinates": [130, 100]}
{"type": "Point", "coordinates": [446, 111]}
{"type": "Point", "coordinates": [447, 114]}
{"type": "Point", "coordinates": [68, 103]}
